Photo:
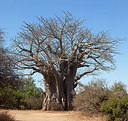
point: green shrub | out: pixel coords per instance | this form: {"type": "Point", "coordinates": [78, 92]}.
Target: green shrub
{"type": "Point", "coordinates": [10, 98]}
{"type": "Point", "coordinates": [116, 109]}
{"type": "Point", "coordinates": [28, 96]}
{"type": "Point", "coordinates": [32, 98]}
{"type": "Point", "coordinates": [4, 116]}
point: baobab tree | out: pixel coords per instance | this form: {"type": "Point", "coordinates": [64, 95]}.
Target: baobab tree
{"type": "Point", "coordinates": [63, 50]}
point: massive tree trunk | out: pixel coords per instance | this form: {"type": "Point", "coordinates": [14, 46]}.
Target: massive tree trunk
{"type": "Point", "coordinates": [59, 89]}
{"type": "Point", "coordinates": [54, 95]}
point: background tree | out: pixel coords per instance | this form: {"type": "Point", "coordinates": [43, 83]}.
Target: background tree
{"type": "Point", "coordinates": [30, 88]}
{"type": "Point", "coordinates": [63, 50]}
{"type": "Point", "coordinates": [8, 75]}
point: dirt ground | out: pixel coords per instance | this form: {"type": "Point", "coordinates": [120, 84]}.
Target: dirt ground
{"type": "Point", "coordinates": [25, 115]}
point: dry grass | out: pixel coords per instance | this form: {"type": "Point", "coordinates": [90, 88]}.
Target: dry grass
{"type": "Point", "coordinates": [89, 100]}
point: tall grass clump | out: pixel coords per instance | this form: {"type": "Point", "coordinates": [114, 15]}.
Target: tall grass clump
{"type": "Point", "coordinates": [5, 116]}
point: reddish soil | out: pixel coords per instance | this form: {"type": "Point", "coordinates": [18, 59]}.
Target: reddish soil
{"type": "Point", "coordinates": [30, 115]}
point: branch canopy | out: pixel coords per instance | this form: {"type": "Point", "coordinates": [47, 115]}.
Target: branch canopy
{"type": "Point", "coordinates": [57, 44]}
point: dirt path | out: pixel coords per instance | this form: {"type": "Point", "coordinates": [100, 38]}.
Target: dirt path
{"type": "Point", "coordinates": [50, 116]}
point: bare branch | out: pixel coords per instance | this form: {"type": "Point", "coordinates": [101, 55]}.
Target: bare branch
{"type": "Point", "coordinates": [83, 74]}
{"type": "Point", "coordinates": [57, 44]}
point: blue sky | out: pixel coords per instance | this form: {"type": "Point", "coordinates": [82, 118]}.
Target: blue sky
{"type": "Point", "coordinates": [110, 15]}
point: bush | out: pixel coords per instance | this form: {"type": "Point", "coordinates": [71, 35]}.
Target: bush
{"type": "Point", "coordinates": [15, 99]}
{"type": "Point", "coordinates": [33, 103]}
{"type": "Point", "coordinates": [116, 109]}
{"type": "Point", "coordinates": [89, 100]}
{"type": "Point", "coordinates": [4, 116]}
{"type": "Point", "coordinates": [10, 98]}
{"type": "Point", "coordinates": [28, 96]}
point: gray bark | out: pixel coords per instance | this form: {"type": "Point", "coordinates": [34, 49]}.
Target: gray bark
{"type": "Point", "coordinates": [50, 92]}
{"type": "Point", "coordinates": [68, 86]}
